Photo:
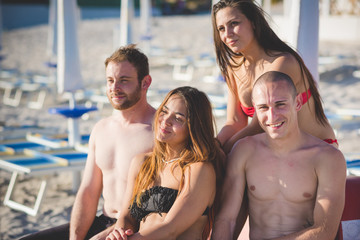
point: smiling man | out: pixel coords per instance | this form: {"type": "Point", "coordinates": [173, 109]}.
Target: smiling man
{"type": "Point", "coordinates": [114, 142]}
{"type": "Point", "coordinates": [295, 182]}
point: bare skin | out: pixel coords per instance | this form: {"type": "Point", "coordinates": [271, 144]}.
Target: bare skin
{"type": "Point", "coordinates": [295, 182]}
{"type": "Point", "coordinates": [114, 142]}
{"type": "Point", "coordinates": [236, 31]}
{"type": "Point", "coordinates": [184, 221]}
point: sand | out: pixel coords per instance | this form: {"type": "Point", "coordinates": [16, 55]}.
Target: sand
{"type": "Point", "coordinates": [189, 36]}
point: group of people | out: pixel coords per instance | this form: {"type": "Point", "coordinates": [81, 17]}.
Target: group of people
{"type": "Point", "coordinates": [165, 174]}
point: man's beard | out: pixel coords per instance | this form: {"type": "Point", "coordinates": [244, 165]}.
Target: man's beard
{"type": "Point", "coordinates": [130, 100]}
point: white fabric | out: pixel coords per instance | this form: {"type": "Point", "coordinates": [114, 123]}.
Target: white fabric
{"type": "Point", "coordinates": [68, 62]}
{"type": "Point", "coordinates": [126, 16]}
{"type": "Point", "coordinates": [351, 229]}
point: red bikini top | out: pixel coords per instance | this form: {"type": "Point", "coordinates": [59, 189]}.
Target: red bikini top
{"type": "Point", "coordinates": [249, 111]}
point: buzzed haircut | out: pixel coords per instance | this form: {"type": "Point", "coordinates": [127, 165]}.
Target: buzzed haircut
{"type": "Point", "coordinates": [275, 76]}
{"type": "Point", "coordinates": [134, 56]}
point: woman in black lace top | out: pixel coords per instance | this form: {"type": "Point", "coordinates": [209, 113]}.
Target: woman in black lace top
{"type": "Point", "coordinates": [172, 190]}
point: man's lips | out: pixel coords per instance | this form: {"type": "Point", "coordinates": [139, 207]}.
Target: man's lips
{"type": "Point", "coordinates": [118, 97]}
{"type": "Point", "coordinates": [275, 125]}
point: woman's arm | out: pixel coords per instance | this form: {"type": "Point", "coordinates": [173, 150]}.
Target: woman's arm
{"type": "Point", "coordinates": [235, 119]}
{"type": "Point", "coordinates": [251, 129]}
{"type": "Point", "coordinates": [197, 194]}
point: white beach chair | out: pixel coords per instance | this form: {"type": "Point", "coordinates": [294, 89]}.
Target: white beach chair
{"type": "Point", "coordinates": [183, 68]}
{"type": "Point", "coordinates": [36, 163]}
{"type": "Point", "coordinates": [13, 92]}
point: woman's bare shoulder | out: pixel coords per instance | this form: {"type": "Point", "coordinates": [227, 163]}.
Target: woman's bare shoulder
{"type": "Point", "coordinates": [204, 169]}
{"type": "Point", "coordinates": [285, 60]}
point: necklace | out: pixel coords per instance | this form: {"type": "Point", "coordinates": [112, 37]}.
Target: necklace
{"type": "Point", "coordinates": [170, 161]}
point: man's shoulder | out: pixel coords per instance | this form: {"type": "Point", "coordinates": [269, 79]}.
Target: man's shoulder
{"type": "Point", "coordinates": [324, 152]}
{"type": "Point", "coordinates": [249, 142]}
{"type": "Point", "coordinates": [246, 147]}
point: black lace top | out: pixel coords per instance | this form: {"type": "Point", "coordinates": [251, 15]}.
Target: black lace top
{"type": "Point", "coordinates": [157, 199]}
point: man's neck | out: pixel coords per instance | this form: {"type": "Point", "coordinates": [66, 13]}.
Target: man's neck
{"type": "Point", "coordinates": [139, 113]}
{"type": "Point", "coordinates": [286, 144]}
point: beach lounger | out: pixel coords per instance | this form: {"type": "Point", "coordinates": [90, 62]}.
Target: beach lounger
{"type": "Point", "coordinates": [35, 163]}
{"type": "Point", "coordinates": [54, 141]}
{"type": "Point", "coordinates": [13, 92]}
{"type": "Point", "coordinates": [17, 146]}
{"type": "Point", "coordinates": [19, 131]}
{"type": "Point", "coordinates": [344, 117]}
{"type": "Point", "coordinates": [219, 104]}
{"type": "Point", "coordinates": [349, 228]}
{"type": "Point", "coordinates": [353, 164]}
{"type": "Point", "coordinates": [183, 68]}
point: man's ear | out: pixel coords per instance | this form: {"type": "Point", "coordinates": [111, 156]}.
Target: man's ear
{"type": "Point", "coordinates": [146, 82]}
{"type": "Point", "coordinates": [298, 102]}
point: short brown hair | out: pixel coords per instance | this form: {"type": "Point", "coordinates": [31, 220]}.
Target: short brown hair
{"type": "Point", "coordinates": [134, 56]}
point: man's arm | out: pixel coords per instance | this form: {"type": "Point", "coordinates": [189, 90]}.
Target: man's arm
{"type": "Point", "coordinates": [330, 200]}
{"type": "Point", "coordinates": [125, 224]}
{"type": "Point", "coordinates": [86, 201]}
{"type": "Point", "coordinates": [232, 195]}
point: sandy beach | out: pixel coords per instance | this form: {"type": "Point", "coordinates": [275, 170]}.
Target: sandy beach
{"type": "Point", "coordinates": [173, 37]}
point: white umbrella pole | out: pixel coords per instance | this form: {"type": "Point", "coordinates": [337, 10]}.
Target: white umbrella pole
{"type": "Point", "coordinates": [69, 72]}
{"type": "Point", "coordinates": [145, 17]}
{"type": "Point", "coordinates": [308, 35]}
{"type": "Point", "coordinates": [73, 124]}
{"type": "Point", "coordinates": [52, 32]}
{"type": "Point", "coordinates": [126, 16]}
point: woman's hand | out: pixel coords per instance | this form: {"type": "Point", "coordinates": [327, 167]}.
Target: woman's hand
{"type": "Point", "coordinates": [119, 234]}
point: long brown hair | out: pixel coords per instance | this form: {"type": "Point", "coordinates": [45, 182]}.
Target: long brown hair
{"type": "Point", "coordinates": [201, 146]}
{"type": "Point", "coordinates": [267, 39]}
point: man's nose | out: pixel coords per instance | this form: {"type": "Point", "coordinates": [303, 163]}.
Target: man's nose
{"type": "Point", "coordinates": [116, 86]}
{"type": "Point", "coordinates": [272, 114]}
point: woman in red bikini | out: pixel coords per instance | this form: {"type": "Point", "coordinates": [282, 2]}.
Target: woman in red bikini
{"type": "Point", "coordinates": [246, 47]}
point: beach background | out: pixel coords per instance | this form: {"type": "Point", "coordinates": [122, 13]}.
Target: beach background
{"type": "Point", "coordinates": [174, 37]}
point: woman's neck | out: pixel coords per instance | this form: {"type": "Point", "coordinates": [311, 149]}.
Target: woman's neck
{"type": "Point", "coordinates": [253, 54]}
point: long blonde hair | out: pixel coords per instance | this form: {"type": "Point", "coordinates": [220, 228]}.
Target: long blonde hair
{"type": "Point", "coordinates": [200, 147]}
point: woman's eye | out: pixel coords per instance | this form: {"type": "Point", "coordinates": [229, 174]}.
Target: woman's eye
{"type": "Point", "coordinates": [179, 120]}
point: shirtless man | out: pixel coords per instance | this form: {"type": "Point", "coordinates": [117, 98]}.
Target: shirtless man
{"type": "Point", "coordinates": [295, 181]}
{"type": "Point", "coordinates": [114, 142]}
